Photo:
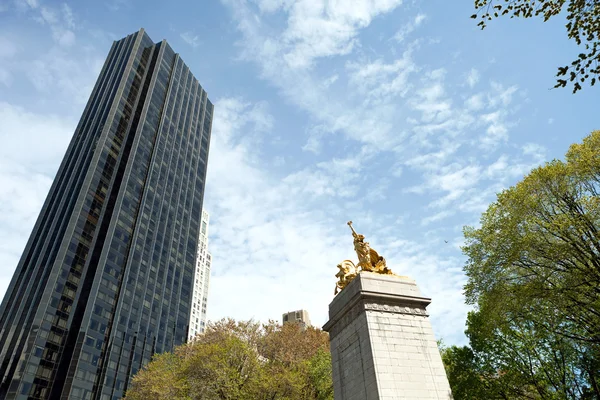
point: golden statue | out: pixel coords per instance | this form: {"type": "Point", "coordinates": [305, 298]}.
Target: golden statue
{"type": "Point", "coordinates": [347, 272]}
{"type": "Point", "coordinates": [368, 260]}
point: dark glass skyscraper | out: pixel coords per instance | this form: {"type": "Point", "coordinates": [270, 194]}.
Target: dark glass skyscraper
{"type": "Point", "coordinates": [106, 277]}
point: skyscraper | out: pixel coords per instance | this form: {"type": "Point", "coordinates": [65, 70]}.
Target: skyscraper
{"type": "Point", "coordinates": [105, 280]}
{"type": "Point", "coordinates": [201, 281]}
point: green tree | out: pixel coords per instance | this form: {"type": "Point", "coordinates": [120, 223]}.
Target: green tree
{"type": "Point", "coordinates": [465, 375]}
{"type": "Point", "coordinates": [162, 379]}
{"type": "Point", "coordinates": [241, 360]}
{"type": "Point", "coordinates": [319, 376]}
{"type": "Point", "coordinates": [534, 275]}
{"type": "Point", "coordinates": [518, 361]}
{"type": "Point", "coordinates": [583, 26]}
{"type": "Point", "coordinates": [292, 360]}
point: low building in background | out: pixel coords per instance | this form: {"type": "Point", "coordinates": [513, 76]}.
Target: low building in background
{"type": "Point", "coordinates": [201, 281]}
{"type": "Point", "coordinates": [299, 317]}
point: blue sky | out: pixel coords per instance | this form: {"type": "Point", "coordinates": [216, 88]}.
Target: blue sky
{"type": "Point", "coordinates": [401, 116]}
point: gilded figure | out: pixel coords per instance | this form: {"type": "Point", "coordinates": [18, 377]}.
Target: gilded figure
{"type": "Point", "coordinates": [368, 260]}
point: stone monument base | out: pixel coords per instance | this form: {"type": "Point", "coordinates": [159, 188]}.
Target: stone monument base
{"type": "Point", "coordinates": [382, 344]}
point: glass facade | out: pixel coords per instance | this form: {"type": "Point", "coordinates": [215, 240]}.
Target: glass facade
{"type": "Point", "coordinates": [106, 277]}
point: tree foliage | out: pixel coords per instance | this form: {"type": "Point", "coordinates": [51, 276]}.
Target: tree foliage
{"type": "Point", "coordinates": [583, 26]}
{"type": "Point", "coordinates": [465, 375]}
{"type": "Point", "coordinates": [534, 275]}
{"type": "Point", "coordinates": [241, 360]}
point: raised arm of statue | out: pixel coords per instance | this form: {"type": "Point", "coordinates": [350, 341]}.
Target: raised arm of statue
{"type": "Point", "coordinates": [354, 234]}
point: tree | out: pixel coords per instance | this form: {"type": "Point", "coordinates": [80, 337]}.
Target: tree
{"type": "Point", "coordinates": [160, 380]}
{"type": "Point", "coordinates": [319, 375]}
{"type": "Point", "coordinates": [242, 360]}
{"type": "Point", "coordinates": [293, 360]}
{"type": "Point", "coordinates": [534, 275]}
{"type": "Point", "coordinates": [583, 26]}
{"type": "Point", "coordinates": [464, 373]}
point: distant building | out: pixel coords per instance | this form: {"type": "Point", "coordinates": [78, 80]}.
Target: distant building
{"type": "Point", "coordinates": [201, 280]}
{"type": "Point", "coordinates": [299, 317]}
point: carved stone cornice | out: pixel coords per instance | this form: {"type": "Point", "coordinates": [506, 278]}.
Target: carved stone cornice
{"type": "Point", "coordinates": [398, 308]}
{"type": "Point", "coordinates": [368, 305]}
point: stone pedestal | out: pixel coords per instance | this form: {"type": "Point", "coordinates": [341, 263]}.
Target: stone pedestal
{"type": "Point", "coordinates": [382, 344]}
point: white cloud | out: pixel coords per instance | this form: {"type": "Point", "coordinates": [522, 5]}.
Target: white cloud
{"type": "Point", "coordinates": [498, 167]}
{"type": "Point", "coordinates": [408, 28]}
{"type": "Point", "coordinates": [434, 160]}
{"type": "Point", "coordinates": [437, 217]}
{"type": "Point", "coordinates": [330, 81]}
{"type": "Point", "coordinates": [64, 37]}
{"type": "Point", "coordinates": [472, 77]}
{"type": "Point", "coordinates": [536, 151]}
{"type": "Point", "coordinates": [49, 146]}
{"type": "Point", "coordinates": [432, 103]}
{"type": "Point", "coordinates": [408, 115]}
{"type": "Point", "coordinates": [266, 240]}
{"type": "Point", "coordinates": [335, 178]}
{"type": "Point", "coordinates": [191, 39]}
{"type": "Point", "coordinates": [26, 4]}
{"type": "Point", "coordinates": [456, 178]}
{"type": "Point", "coordinates": [323, 29]}
{"type": "Point", "coordinates": [269, 6]}
{"type": "Point", "coordinates": [60, 20]}
{"type": "Point", "coordinates": [475, 102]}
{"type": "Point", "coordinates": [496, 130]}
{"type": "Point", "coordinates": [59, 72]}
{"type": "Point", "coordinates": [7, 47]}
{"type": "Point", "coordinates": [28, 162]}
{"type": "Point", "coordinates": [5, 77]}
{"type": "Point", "coordinates": [68, 16]}
{"type": "Point", "coordinates": [116, 5]}
{"type": "Point", "coordinates": [278, 240]}
{"type": "Point", "coordinates": [48, 16]}
{"type": "Point", "coordinates": [378, 80]}
{"type": "Point", "coordinates": [501, 96]}
{"type": "Point", "coordinates": [369, 117]}
{"type": "Point", "coordinates": [269, 49]}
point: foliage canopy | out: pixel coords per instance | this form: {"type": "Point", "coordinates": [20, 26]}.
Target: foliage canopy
{"type": "Point", "coordinates": [533, 273]}
{"type": "Point", "coordinates": [241, 360]}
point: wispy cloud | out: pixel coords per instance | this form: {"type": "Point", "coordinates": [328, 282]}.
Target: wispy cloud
{"type": "Point", "coordinates": [425, 125]}
{"type": "Point", "coordinates": [26, 173]}
{"type": "Point", "coordinates": [437, 217]}
{"type": "Point", "coordinates": [284, 236]}
{"type": "Point", "coordinates": [60, 20]}
{"type": "Point", "coordinates": [379, 81]}
{"type": "Point", "coordinates": [536, 151]}
{"type": "Point", "coordinates": [58, 70]}
{"type": "Point", "coordinates": [408, 28]}
{"type": "Point", "coordinates": [117, 5]}
{"type": "Point", "coordinates": [8, 49]}
{"type": "Point", "coordinates": [260, 227]}
{"type": "Point", "coordinates": [5, 77]}
{"type": "Point", "coordinates": [473, 77]}
{"type": "Point", "coordinates": [387, 134]}
{"type": "Point", "coordinates": [191, 39]}
{"type": "Point", "coordinates": [322, 29]}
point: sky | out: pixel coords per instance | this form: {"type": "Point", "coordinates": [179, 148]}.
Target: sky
{"type": "Point", "coordinates": [401, 116]}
